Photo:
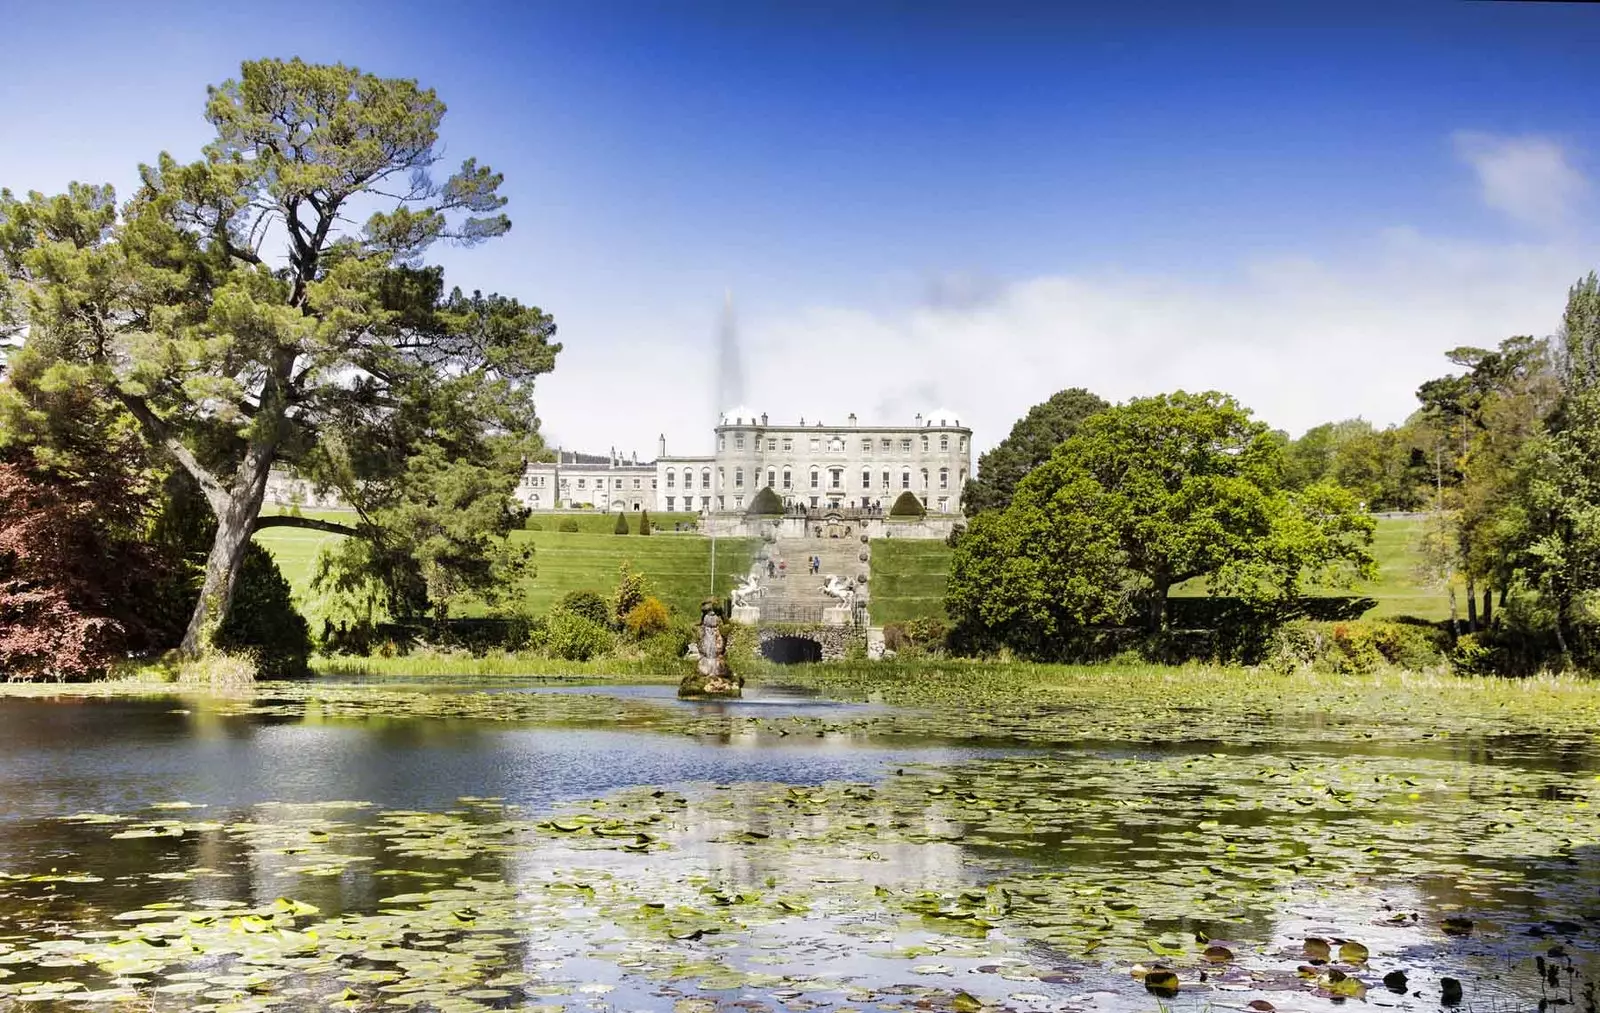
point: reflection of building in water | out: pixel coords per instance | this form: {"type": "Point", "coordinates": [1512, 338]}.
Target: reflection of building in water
{"type": "Point", "coordinates": [816, 466]}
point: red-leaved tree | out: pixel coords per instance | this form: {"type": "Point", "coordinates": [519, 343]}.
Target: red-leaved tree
{"type": "Point", "coordinates": [75, 589]}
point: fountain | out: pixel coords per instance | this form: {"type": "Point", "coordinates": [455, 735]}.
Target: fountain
{"type": "Point", "coordinates": [712, 677]}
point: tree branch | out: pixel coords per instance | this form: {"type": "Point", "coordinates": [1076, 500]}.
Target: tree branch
{"type": "Point", "coordinates": [160, 435]}
{"type": "Point", "coordinates": [286, 521]}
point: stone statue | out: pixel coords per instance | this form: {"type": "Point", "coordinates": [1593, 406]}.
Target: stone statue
{"type": "Point", "coordinates": [838, 589]}
{"type": "Point", "coordinates": [745, 595]}
{"type": "Point", "coordinates": [711, 675]}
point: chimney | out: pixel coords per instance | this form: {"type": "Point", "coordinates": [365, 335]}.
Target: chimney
{"type": "Point", "coordinates": [852, 420]}
{"type": "Point", "coordinates": [661, 445]}
{"type": "Point", "coordinates": [919, 418]}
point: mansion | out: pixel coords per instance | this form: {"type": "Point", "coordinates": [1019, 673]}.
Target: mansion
{"type": "Point", "coordinates": [813, 466]}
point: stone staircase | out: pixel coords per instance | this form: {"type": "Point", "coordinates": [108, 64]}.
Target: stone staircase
{"type": "Point", "coordinates": [798, 596]}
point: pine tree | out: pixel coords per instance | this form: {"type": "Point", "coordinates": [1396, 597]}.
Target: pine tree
{"type": "Point", "coordinates": [622, 524]}
{"type": "Point", "coordinates": [644, 523]}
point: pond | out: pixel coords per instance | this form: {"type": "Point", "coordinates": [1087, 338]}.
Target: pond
{"type": "Point", "coordinates": [610, 848]}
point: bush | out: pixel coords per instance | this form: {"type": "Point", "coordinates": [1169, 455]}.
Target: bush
{"type": "Point", "coordinates": [765, 503]}
{"type": "Point", "coordinates": [568, 524]}
{"type": "Point", "coordinates": [219, 671]}
{"type": "Point", "coordinates": [647, 619]}
{"type": "Point", "coordinates": [953, 539]}
{"type": "Point", "coordinates": [917, 637]}
{"type": "Point", "coordinates": [263, 621]}
{"type": "Point", "coordinates": [632, 589]}
{"type": "Point", "coordinates": [908, 506]}
{"type": "Point", "coordinates": [575, 638]}
{"type": "Point", "coordinates": [622, 524]}
{"type": "Point", "coordinates": [1354, 647]}
{"type": "Point", "coordinates": [644, 522]}
{"type": "Point", "coordinates": [585, 604]}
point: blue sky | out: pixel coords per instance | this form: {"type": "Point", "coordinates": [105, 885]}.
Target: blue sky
{"type": "Point", "coordinates": [970, 205]}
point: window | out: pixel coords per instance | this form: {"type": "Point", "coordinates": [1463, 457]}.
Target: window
{"type": "Point", "coordinates": [815, 478]}
{"type": "Point", "coordinates": [924, 443]}
{"type": "Point", "coordinates": [788, 444]}
{"type": "Point", "coordinates": [866, 446]}
{"type": "Point", "coordinates": [836, 445]}
{"type": "Point", "coordinates": [722, 483]}
{"type": "Point", "coordinates": [963, 443]}
{"type": "Point", "coordinates": [738, 478]}
{"type": "Point", "coordinates": [816, 444]}
{"type": "Point", "coordinates": [963, 477]}
{"type": "Point", "coordinates": [772, 444]}
{"type": "Point", "coordinates": [671, 476]}
{"type": "Point", "coordinates": [905, 445]}
{"type": "Point", "coordinates": [866, 480]}
{"type": "Point", "coordinates": [770, 476]}
{"type": "Point", "coordinates": [883, 444]}
{"type": "Point", "coordinates": [738, 502]}
{"type": "Point", "coordinates": [738, 441]}
{"type": "Point", "coordinates": [722, 442]}
{"type": "Point", "coordinates": [905, 478]}
{"type": "Point", "coordinates": [652, 483]}
{"type": "Point", "coordinates": [944, 478]}
{"type": "Point", "coordinates": [944, 443]}
{"type": "Point", "coordinates": [813, 501]}
{"type": "Point", "coordinates": [836, 478]}
{"type": "Point", "coordinates": [619, 483]}
{"type": "Point", "coordinates": [924, 479]}
{"type": "Point", "coordinates": [669, 504]}
{"type": "Point", "coordinates": [886, 480]}
{"type": "Point", "coordinates": [636, 483]}
{"type": "Point", "coordinates": [705, 478]}
{"type": "Point", "coordinates": [787, 484]}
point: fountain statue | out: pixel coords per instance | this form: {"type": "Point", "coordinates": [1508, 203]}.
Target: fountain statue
{"type": "Point", "coordinates": [844, 593]}
{"type": "Point", "coordinates": [711, 675]}
{"type": "Point", "coordinates": [746, 594]}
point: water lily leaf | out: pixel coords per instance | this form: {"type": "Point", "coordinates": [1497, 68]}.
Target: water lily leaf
{"type": "Point", "coordinates": [1217, 954]}
{"type": "Point", "coordinates": [1161, 982]}
{"type": "Point", "coordinates": [1352, 952]}
{"type": "Point", "coordinates": [1317, 949]}
{"type": "Point", "coordinates": [964, 1002]}
{"type": "Point", "coordinates": [1165, 948]}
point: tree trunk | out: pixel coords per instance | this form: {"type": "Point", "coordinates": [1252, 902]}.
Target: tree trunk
{"type": "Point", "coordinates": [1157, 615]}
{"type": "Point", "coordinates": [1472, 605]}
{"type": "Point", "coordinates": [235, 524]}
{"type": "Point", "coordinates": [1488, 610]}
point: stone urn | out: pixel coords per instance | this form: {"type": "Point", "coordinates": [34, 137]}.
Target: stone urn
{"type": "Point", "coordinates": [711, 678]}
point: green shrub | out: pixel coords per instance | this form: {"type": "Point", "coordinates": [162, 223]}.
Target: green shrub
{"type": "Point", "coordinates": [916, 638]}
{"type": "Point", "coordinates": [263, 622]}
{"type": "Point", "coordinates": [632, 589]}
{"type": "Point", "coordinates": [587, 604]}
{"type": "Point", "coordinates": [908, 506]}
{"type": "Point", "coordinates": [644, 522]}
{"type": "Point", "coordinates": [647, 619]}
{"type": "Point", "coordinates": [573, 637]}
{"type": "Point", "coordinates": [765, 503]}
{"type": "Point", "coordinates": [1354, 647]}
{"type": "Point", "coordinates": [569, 525]}
{"type": "Point", "coordinates": [622, 524]}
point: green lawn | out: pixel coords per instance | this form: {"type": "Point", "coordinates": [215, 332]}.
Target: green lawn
{"type": "Point", "coordinates": [604, 524]}
{"type": "Point", "coordinates": [678, 565]}
{"type": "Point", "coordinates": [908, 577]}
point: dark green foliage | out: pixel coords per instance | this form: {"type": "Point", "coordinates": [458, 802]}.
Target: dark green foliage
{"type": "Point", "coordinates": [644, 522]}
{"type": "Point", "coordinates": [765, 503]}
{"type": "Point", "coordinates": [908, 505]}
{"type": "Point", "coordinates": [1030, 443]}
{"type": "Point", "coordinates": [574, 637]}
{"type": "Point", "coordinates": [632, 589]}
{"type": "Point", "coordinates": [569, 525]}
{"type": "Point", "coordinates": [588, 604]}
{"type": "Point", "coordinates": [621, 527]}
{"type": "Point", "coordinates": [264, 621]}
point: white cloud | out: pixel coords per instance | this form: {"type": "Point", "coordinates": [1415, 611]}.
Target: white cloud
{"type": "Point", "coordinates": [1298, 341]}
{"type": "Point", "coordinates": [1530, 179]}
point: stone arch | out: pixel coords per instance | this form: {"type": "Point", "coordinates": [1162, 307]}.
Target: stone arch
{"type": "Point", "coordinates": [791, 649]}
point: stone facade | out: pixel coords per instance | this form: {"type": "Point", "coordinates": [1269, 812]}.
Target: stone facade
{"type": "Point", "coordinates": [812, 466]}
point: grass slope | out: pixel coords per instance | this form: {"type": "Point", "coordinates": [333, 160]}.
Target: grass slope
{"type": "Point", "coordinates": [908, 577]}
{"type": "Point", "coordinates": [678, 565]}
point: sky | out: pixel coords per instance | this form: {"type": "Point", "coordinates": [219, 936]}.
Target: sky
{"type": "Point", "coordinates": [926, 204]}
